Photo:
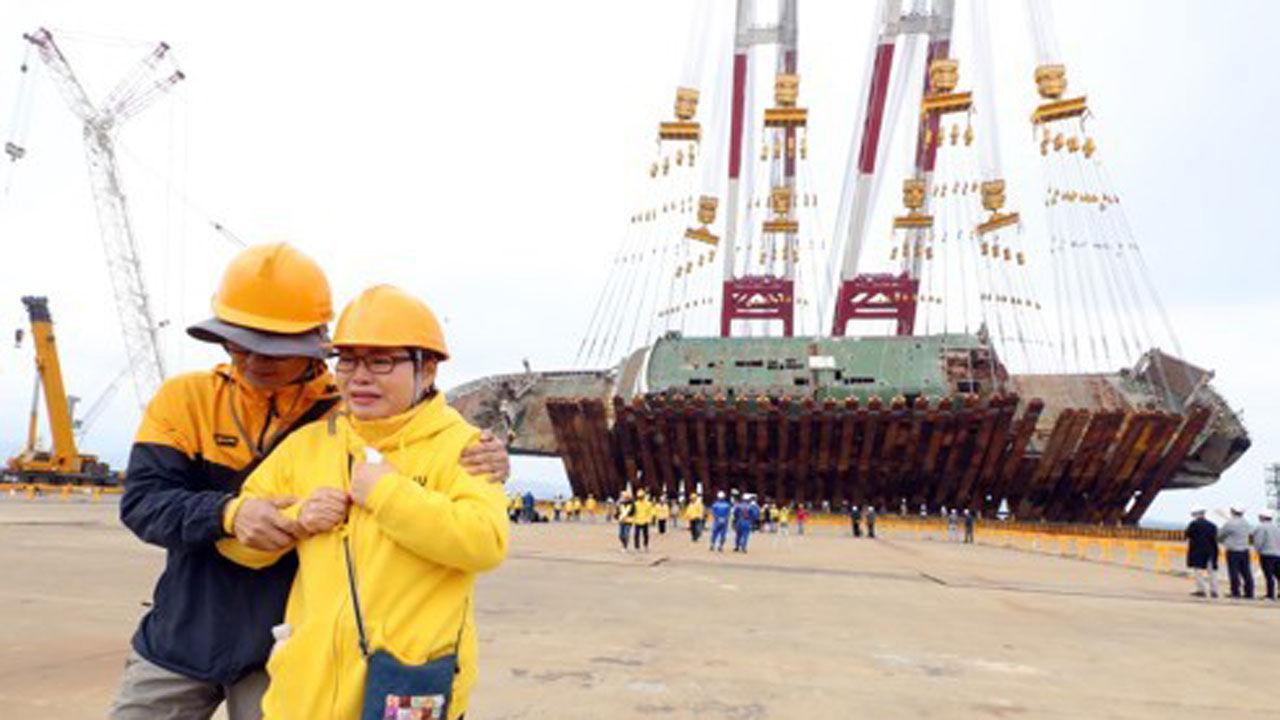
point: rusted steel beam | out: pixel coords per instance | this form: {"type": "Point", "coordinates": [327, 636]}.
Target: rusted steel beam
{"type": "Point", "coordinates": [559, 429]}
{"type": "Point", "coordinates": [624, 430]}
{"type": "Point", "coordinates": [823, 466]}
{"type": "Point", "coordinates": [1062, 463]}
{"type": "Point", "coordinates": [598, 444]}
{"type": "Point", "coordinates": [985, 420]}
{"type": "Point", "coordinates": [1059, 440]}
{"type": "Point", "coordinates": [1178, 451]}
{"type": "Point", "coordinates": [663, 447]}
{"type": "Point", "coordinates": [997, 449]}
{"type": "Point", "coordinates": [785, 489]}
{"type": "Point", "coordinates": [720, 477]}
{"type": "Point", "coordinates": [1161, 440]}
{"type": "Point", "coordinates": [1150, 448]}
{"type": "Point", "coordinates": [844, 453]}
{"type": "Point", "coordinates": [763, 419]}
{"type": "Point", "coordinates": [1098, 436]}
{"type": "Point", "coordinates": [680, 417]}
{"type": "Point", "coordinates": [742, 446]}
{"type": "Point", "coordinates": [644, 444]}
{"type": "Point", "coordinates": [884, 470]}
{"type": "Point", "coordinates": [577, 440]}
{"type": "Point", "coordinates": [909, 470]}
{"type": "Point", "coordinates": [805, 442]}
{"type": "Point", "coordinates": [961, 453]}
{"type": "Point", "coordinates": [940, 435]}
{"type": "Point", "coordinates": [1011, 480]}
{"type": "Point", "coordinates": [1091, 482]}
{"type": "Point", "coordinates": [1108, 487]}
{"type": "Point", "coordinates": [872, 420]}
{"type": "Point", "coordinates": [701, 415]}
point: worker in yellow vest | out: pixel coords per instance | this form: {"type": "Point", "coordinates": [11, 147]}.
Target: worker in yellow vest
{"type": "Point", "coordinates": [624, 513]}
{"type": "Point", "coordinates": [695, 514]}
{"type": "Point", "coordinates": [662, 512]}
{"type": "Point", "coordinates": [641, 519]}
{"type": "Point", "coordinates": [591, 508]}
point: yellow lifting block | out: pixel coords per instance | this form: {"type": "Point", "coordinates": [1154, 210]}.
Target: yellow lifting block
{"type": "Point", "coordinates": [783, 117]}
{"type": "Point", "coordinates": [997, 221]}
{"type": "Point", "coordinates": [946, 103]}
{"type": "Point", "coordinates": [993, 195]}
{"type": "Point", "coordinates": [913, 193]}
{"type": "Point", "coordinates": [702, 235]}
{"type": "Point", "coordinates": [686, 103]}
{"type": "Point", "coordinates": [690, 131]}
{"type": "Point", "coordinates": [1051, 81]}
{"type": "Point", "coordinates": [786, 89]}
{"type": "Point", "coordinates": [912, 220]}
{"type": "Point", "coordinates": [781, 225]}
{"type": "Point", "coordinates": [1059, 110]}
{"type": "Point", "coordinates": [782, 199]}
{"type": "Point", "coordinates": [944, 73]}
{"type": "Point", "coordinates": [707, 209]}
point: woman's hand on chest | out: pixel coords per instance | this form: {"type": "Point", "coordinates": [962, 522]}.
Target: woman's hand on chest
{"type": "Point", "coordinates": [364, 477]}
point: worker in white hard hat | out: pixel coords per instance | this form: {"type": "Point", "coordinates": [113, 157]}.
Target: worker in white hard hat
{"type": "Point", "coordinates": [1266, 540]}
{"type": "Point", "coordinates": [1234, 537]}
{"type": "Point", "coordinates": [720, 510]}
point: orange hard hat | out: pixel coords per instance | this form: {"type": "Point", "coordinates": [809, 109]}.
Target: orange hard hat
{"type": "Point", "coordinates": [274, 288]}
{"type": "Point", "coordinates": [386, 316]}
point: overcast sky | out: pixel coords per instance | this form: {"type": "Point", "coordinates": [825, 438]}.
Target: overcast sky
{"type": "Point", "coordinates": [481, 155]}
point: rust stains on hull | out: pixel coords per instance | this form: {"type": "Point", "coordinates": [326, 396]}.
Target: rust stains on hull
{"type": "Point", "coordinates": [1102, 466]}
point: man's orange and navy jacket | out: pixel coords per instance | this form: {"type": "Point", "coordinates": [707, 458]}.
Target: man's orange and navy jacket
{"type": "Point", "coordinates": [201, 436]}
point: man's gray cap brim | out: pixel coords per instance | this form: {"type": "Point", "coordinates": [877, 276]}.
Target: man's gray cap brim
{"type": "Point", "coordinates": [310, 344]}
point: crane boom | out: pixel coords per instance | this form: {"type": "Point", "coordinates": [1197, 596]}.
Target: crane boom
{"type": "Point", "coordinates": [140, 88]}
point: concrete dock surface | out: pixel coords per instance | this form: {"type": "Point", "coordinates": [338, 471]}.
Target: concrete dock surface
{"type": "Point", "coordinates": [824, 626]}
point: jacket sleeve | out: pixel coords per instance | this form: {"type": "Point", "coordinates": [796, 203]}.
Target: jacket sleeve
{"type": "Point", "coordinates": [463, 528]}
{"type": "Point", "coordinates": [168, 500]}
{"type": "Point", "coordinates": [270, 479]}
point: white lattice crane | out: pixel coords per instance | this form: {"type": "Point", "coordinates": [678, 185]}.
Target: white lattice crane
{"type": "Point", "coordinates": [151, 78]}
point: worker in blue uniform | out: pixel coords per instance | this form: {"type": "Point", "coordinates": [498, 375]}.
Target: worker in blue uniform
{"type": "Point", "coordinates": [742, 517]}
{"type": "Point", "coordinates": [719, 521]}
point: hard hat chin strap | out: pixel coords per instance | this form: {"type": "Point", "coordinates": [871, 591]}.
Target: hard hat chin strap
{"type": "Point", "coordinates": [419, 394]}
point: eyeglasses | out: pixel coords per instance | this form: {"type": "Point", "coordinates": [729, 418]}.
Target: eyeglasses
{"type": "Point", "coordinates": [376, 364]}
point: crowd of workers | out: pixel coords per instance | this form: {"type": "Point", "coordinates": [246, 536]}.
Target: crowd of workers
{"type": "Point", "coordinates": [1237, 538]}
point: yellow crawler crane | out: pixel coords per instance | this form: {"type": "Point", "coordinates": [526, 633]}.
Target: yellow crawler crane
{"type": "Point", "coordinates": [63, 464]}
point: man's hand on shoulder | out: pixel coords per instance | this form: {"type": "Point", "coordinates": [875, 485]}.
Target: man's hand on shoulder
{"type": "Point", "coordinates": [487, 456]}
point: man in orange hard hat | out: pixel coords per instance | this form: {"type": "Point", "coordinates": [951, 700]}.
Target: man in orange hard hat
{"type": "Point", "coordinates": [207, 635]}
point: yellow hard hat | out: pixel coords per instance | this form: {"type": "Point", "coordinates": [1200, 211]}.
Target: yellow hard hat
{"type": "Point", "coordinates": [386, 316]}
{"type": "Point", "coordinates": [274, 288]}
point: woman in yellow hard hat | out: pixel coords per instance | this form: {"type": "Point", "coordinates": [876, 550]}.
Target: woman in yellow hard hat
{"type": "Point", "coordinates": [381, 609]}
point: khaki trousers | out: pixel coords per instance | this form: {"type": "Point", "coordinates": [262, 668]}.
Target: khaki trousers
{"type": "Point", "coordinates": [150, 692]}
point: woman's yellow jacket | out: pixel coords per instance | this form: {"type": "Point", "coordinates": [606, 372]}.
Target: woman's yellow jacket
{"type": "Point", "coordinates": [423, 534]}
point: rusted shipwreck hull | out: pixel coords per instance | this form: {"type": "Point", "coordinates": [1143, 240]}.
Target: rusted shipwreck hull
{"type": "Point", "coordinates": [806, 420]}
{"type": "Point", "coordinates": [1094, 467]}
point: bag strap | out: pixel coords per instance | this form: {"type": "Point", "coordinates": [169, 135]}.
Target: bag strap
{"type": "Point", "coordinates": [355, 593]}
